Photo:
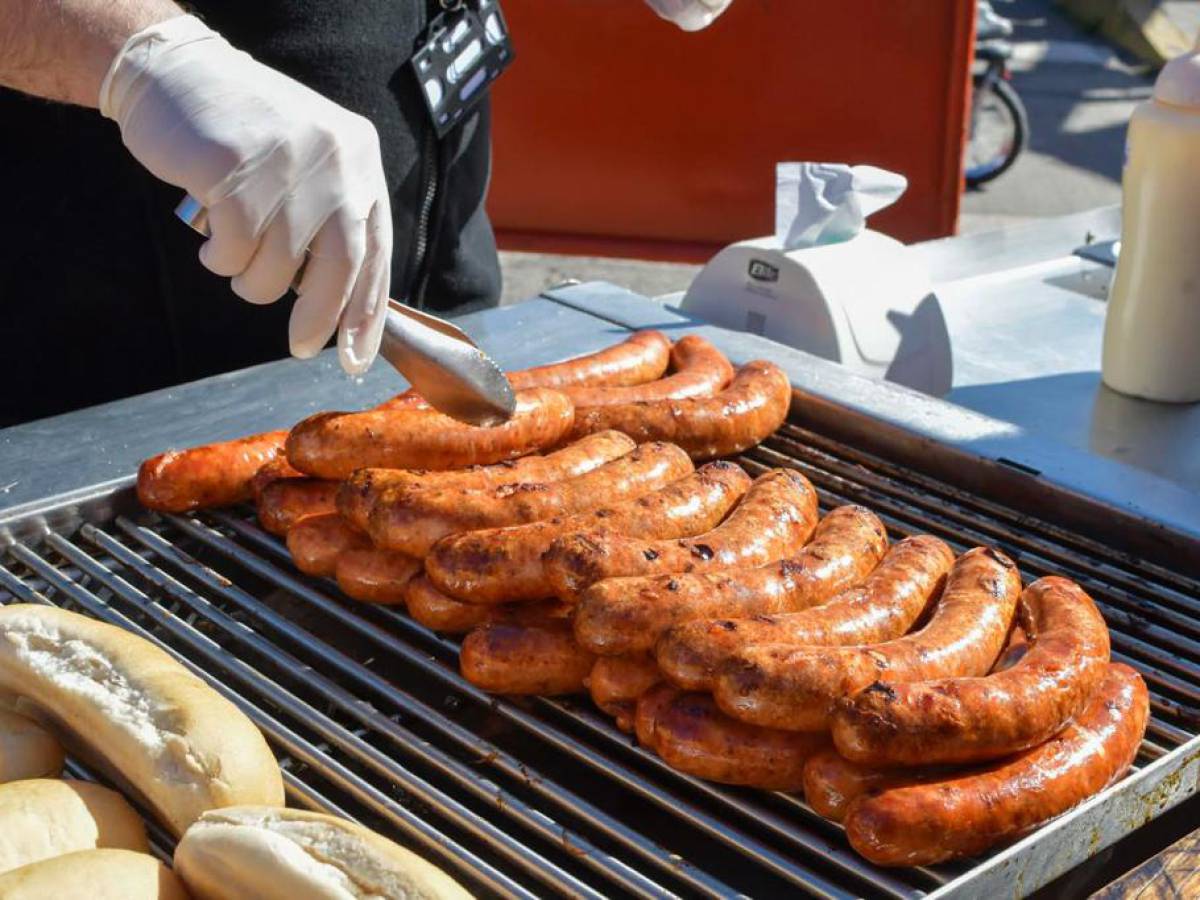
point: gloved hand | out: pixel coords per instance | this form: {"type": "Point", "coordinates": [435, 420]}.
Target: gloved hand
{"type": "Point", "coordinates": [279, 167]}
{"type": "Point", "coordinates": [690, 15]}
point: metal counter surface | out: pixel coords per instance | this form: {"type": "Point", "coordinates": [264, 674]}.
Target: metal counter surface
{"type": "Point", "coordinates": [82, 449]}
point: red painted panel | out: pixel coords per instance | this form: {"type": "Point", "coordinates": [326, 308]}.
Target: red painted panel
{"type": "Point", "coordinates": [616, 133]}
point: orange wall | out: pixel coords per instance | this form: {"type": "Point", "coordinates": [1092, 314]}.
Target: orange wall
{"type": "Point", "coordinates": [616, 133]}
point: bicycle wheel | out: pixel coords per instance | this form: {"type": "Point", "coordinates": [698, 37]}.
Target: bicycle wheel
{"type": "Point", "coordinates": [999, 130]}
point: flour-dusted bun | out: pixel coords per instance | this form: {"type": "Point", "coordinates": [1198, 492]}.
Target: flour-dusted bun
{"type": "Point", "coordinates": [44, 817]}
{"type": "Point", "coordinates": [94, 875]}
{"type": "Point", "coordinates": [27, 750]}
{"type": "Point", "coordinates": [129, 709]}
{"type": "Point", "coordinates": [285, 854]}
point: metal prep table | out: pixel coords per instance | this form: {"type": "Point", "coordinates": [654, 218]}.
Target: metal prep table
{"type": "Point", "coordinates": [545, 797]}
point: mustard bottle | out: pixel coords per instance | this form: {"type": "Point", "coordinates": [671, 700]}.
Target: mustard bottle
{"type": "Point", "coordinates": [1152, 326]}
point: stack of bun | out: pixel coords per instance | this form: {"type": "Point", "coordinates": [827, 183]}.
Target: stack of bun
{"type": "Point", "coordinates": [175, 748]}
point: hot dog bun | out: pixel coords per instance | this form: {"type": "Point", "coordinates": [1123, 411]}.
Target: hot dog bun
{"type": "Point", "coordinates": [44, 817]}
{"type": "Point", "coordinates": [255, 851]}
{"type": "Point", "coordinates": [27, 750]}
{"type": "Point", "coordinates": [130, 710]}
{"type": "Point", "coordinates": [93, 875]}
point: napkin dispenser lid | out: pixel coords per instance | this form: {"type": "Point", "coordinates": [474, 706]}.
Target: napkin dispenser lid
{"type": "Point", "coordinates": [864, 303]}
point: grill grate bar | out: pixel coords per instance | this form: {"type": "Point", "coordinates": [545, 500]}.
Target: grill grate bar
{"type": "Point", "coordinates": [369, 713]}
{"type": "Point", "coordinates": [1052, 540]}
{"type": "Point", "coordinates": [406, 740]}
{"type": "Point", "coordinates": [883, 882]}
{"type": "Point", "coordinates": [433, 841]}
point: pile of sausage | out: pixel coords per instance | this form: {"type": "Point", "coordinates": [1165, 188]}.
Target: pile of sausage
{"type": "Point", "coordinates": [927, 702]}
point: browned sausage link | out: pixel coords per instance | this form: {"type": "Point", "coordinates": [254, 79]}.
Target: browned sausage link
{"type": "Point", "coordinates": [498, 565]}
{"type": "Point", "coordinates": [616, 683]}
{"type": "Point", "coordinates": [796, 687]}
{"type": "Point", "coordinates": [375, 576]}
{"type": "Point", "coordinates": [698, 370]}
{"type": "Point", "coordinates": [218, 474]}
{"type": "Point", "coordinates": [882, 608]}
{"type": "Point", "coordinates": [774, 520]}
{"type": "Point", "coordinates": [333, 444]}
{"type": "Point", "coordinates": [832, 783]}
{"type": "Point", "coordinates": [538, 659]}
{"type": "Point", "coordinates": [433, 609]}
{"type": "Point", "coordinates": [744, 414]}
{"type": "Point", "coordinates": [641, 358]}
{"type": "Point", "coordinates": [211, 475]}
{"type": "Point", "coordinates": [316, 543]}
{"type": "Point", "coordinates": [962, 815]}
{"type": "Point", "coordinates": [277, 469]}
{"type": "Point", "coordinates": [627, 615]}
{"type": "Point", "coordinates": [286, 501]}
{"type": "Point", "coordinates": [649, 706]}
{"type": "Point", "coordinates": [963, 720]}
{"type": "Point", "coordinates": [412, 521]}
{"type": "Point", "coordinates": [360, 491]}
{"type": "Point", "coordinates": [693, 736]}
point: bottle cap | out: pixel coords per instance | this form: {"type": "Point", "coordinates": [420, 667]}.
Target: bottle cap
{"type": "Point", "coordinates": [1178, 83]}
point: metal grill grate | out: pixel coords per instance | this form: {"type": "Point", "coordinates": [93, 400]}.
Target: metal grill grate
{"type": "Point", "coordinates": [536, 797]}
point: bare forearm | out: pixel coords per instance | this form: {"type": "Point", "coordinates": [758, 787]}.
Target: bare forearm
{"type": "Point", "coordinates": [61, 49]}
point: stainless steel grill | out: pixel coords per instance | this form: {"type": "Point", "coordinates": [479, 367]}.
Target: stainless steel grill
{"type": "Point", "coordinates": [530, 798]}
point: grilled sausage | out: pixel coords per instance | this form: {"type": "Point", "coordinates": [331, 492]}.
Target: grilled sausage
{"type": "Point", "coordinates": [286, 501]}
{"type": "Point", "coordinates": [505, 564]}
{"type": "Point", "coordinates": [360, 491]}
{"type": "Point", "coordinates": [774, 520]}
{"type": "Point", "coordinates": [744, 414]}
{"type": "Point", "coordinates": [433, 609]}
{"type": "Point", "coordinates": [277, 469]}
{"type": "Point", "coordinates": [650, 706]}
{"type": "Point", "coordinates": [220, 474]}
{"type": "Point", "coordinates": [616, 683]}
{"type": "Point", "coordinates": [334, 444]}
{"type": "Point", "coordinates": [316, 543]}
{"type": "Point", "coordinates": [538, 659]}
{"type": "Point", "coordinates": [641, 358]}
{"type": "Point", "coordinates": [693, 736]}
{"type": "Point", "coordinates": [412, 521]}
{"type": "Point", "coordinates": [965, 814]}
{"type": "Point", "coordinates": [698, 370]}
{"type": "Point", "coordinates": [962, 720]}
{"type": "Point", "coordinates": [832, 782]}
{"type": "Point", "coordinates": [626, 615]}
{"type": "Point", "coordinates": [212, 475]}
{"type": "Point", "coordinates": [375, 576]}
{"type": "Point", "coordinates": [796, 687]}
{"type": "Point", "coordinates": [882, 608]}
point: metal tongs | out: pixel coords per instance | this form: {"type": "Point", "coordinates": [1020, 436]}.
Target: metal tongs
{"type": "Point", "coordinates": [437, 358]}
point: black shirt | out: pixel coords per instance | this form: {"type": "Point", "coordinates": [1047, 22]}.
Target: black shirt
{"type": "Point", "coordinates": [101, 293]}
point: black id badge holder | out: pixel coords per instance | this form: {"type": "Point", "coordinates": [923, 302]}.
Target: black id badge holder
{"type": "Point", "coordinates": [464, 49]}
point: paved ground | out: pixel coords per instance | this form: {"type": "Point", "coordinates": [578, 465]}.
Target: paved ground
{"type": "Point", "coordinates": [1079, 95]}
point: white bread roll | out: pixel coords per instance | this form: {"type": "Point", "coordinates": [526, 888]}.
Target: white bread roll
{"type": "Point", "coordinates": [43, 817]}
{"type": "Point", "coordinates": [285, 854]}
{"type": "Point", "coordinates": [27, 750]}
{"type": "Point", "coordinates": [129, 709]}
{"type": "Point", "coordinates": [94, 875]}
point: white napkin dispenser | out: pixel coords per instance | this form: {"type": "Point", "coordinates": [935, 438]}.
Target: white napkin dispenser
{"type": "Point", "coordinates": [863, 302]}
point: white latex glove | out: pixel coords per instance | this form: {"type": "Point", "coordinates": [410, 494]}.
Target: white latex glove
{"type": "Point", "coordinates": [690, 15]}
{"type": "Point", "coordinates": [279, 167]}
